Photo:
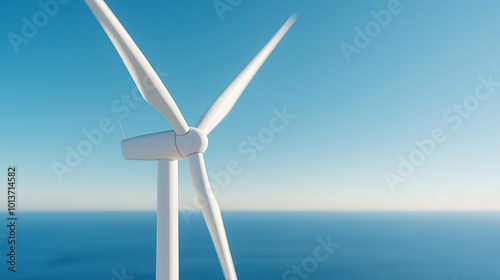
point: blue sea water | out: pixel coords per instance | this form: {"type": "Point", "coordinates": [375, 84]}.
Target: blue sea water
{"type": "Point", "coordinates": [265, 245]}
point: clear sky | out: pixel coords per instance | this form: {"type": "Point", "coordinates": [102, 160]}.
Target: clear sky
{"type": "Point", "coordinates": [364, 80]}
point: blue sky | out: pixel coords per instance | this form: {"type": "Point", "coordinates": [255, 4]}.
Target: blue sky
{"type": "Point", "coordinates": [357, 115]}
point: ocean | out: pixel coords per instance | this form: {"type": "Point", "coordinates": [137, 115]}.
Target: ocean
{"type": "Point", "coordinates": [265, 245]}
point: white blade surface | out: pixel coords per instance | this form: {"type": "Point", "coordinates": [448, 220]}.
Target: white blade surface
{"type": "Point", "coordinates": [211, 213]}
{"type": "Point", "coordinates": [146, 79]}
{"type": "Point", "coordinates": [225, 102]}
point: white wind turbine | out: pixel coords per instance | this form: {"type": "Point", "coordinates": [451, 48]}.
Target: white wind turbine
{"type": "Point", "coordinates": [183, 142]}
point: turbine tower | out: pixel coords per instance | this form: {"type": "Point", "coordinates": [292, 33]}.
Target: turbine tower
{"type": "Point", "coordinates": [181, 143]}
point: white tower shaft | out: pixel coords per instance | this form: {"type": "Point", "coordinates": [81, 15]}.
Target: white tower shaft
{"type": "Point", "coordinates": [167, 219]}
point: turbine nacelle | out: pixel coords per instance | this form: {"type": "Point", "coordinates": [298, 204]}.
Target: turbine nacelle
{"type": "Point", "coordinates": [165, 145]}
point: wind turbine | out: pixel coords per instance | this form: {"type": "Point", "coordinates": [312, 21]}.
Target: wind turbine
{"type": "Point", "coordinates": [183, 142]}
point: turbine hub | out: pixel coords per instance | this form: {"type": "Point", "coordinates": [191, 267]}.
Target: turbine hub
{"type": "Point", "coordinates": [195, 141]}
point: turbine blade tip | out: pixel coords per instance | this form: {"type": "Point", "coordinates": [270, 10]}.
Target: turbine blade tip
{"type": "Point", "coordinates": [291, 20]}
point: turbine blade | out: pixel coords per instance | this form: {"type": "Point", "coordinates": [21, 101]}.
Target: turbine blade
{"type": "Point", "coordinates": [225, 102]}
{"type": "Point", "coordinates": [211, 213]}
{"type": "Point", "coordinates": [146, 79]}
